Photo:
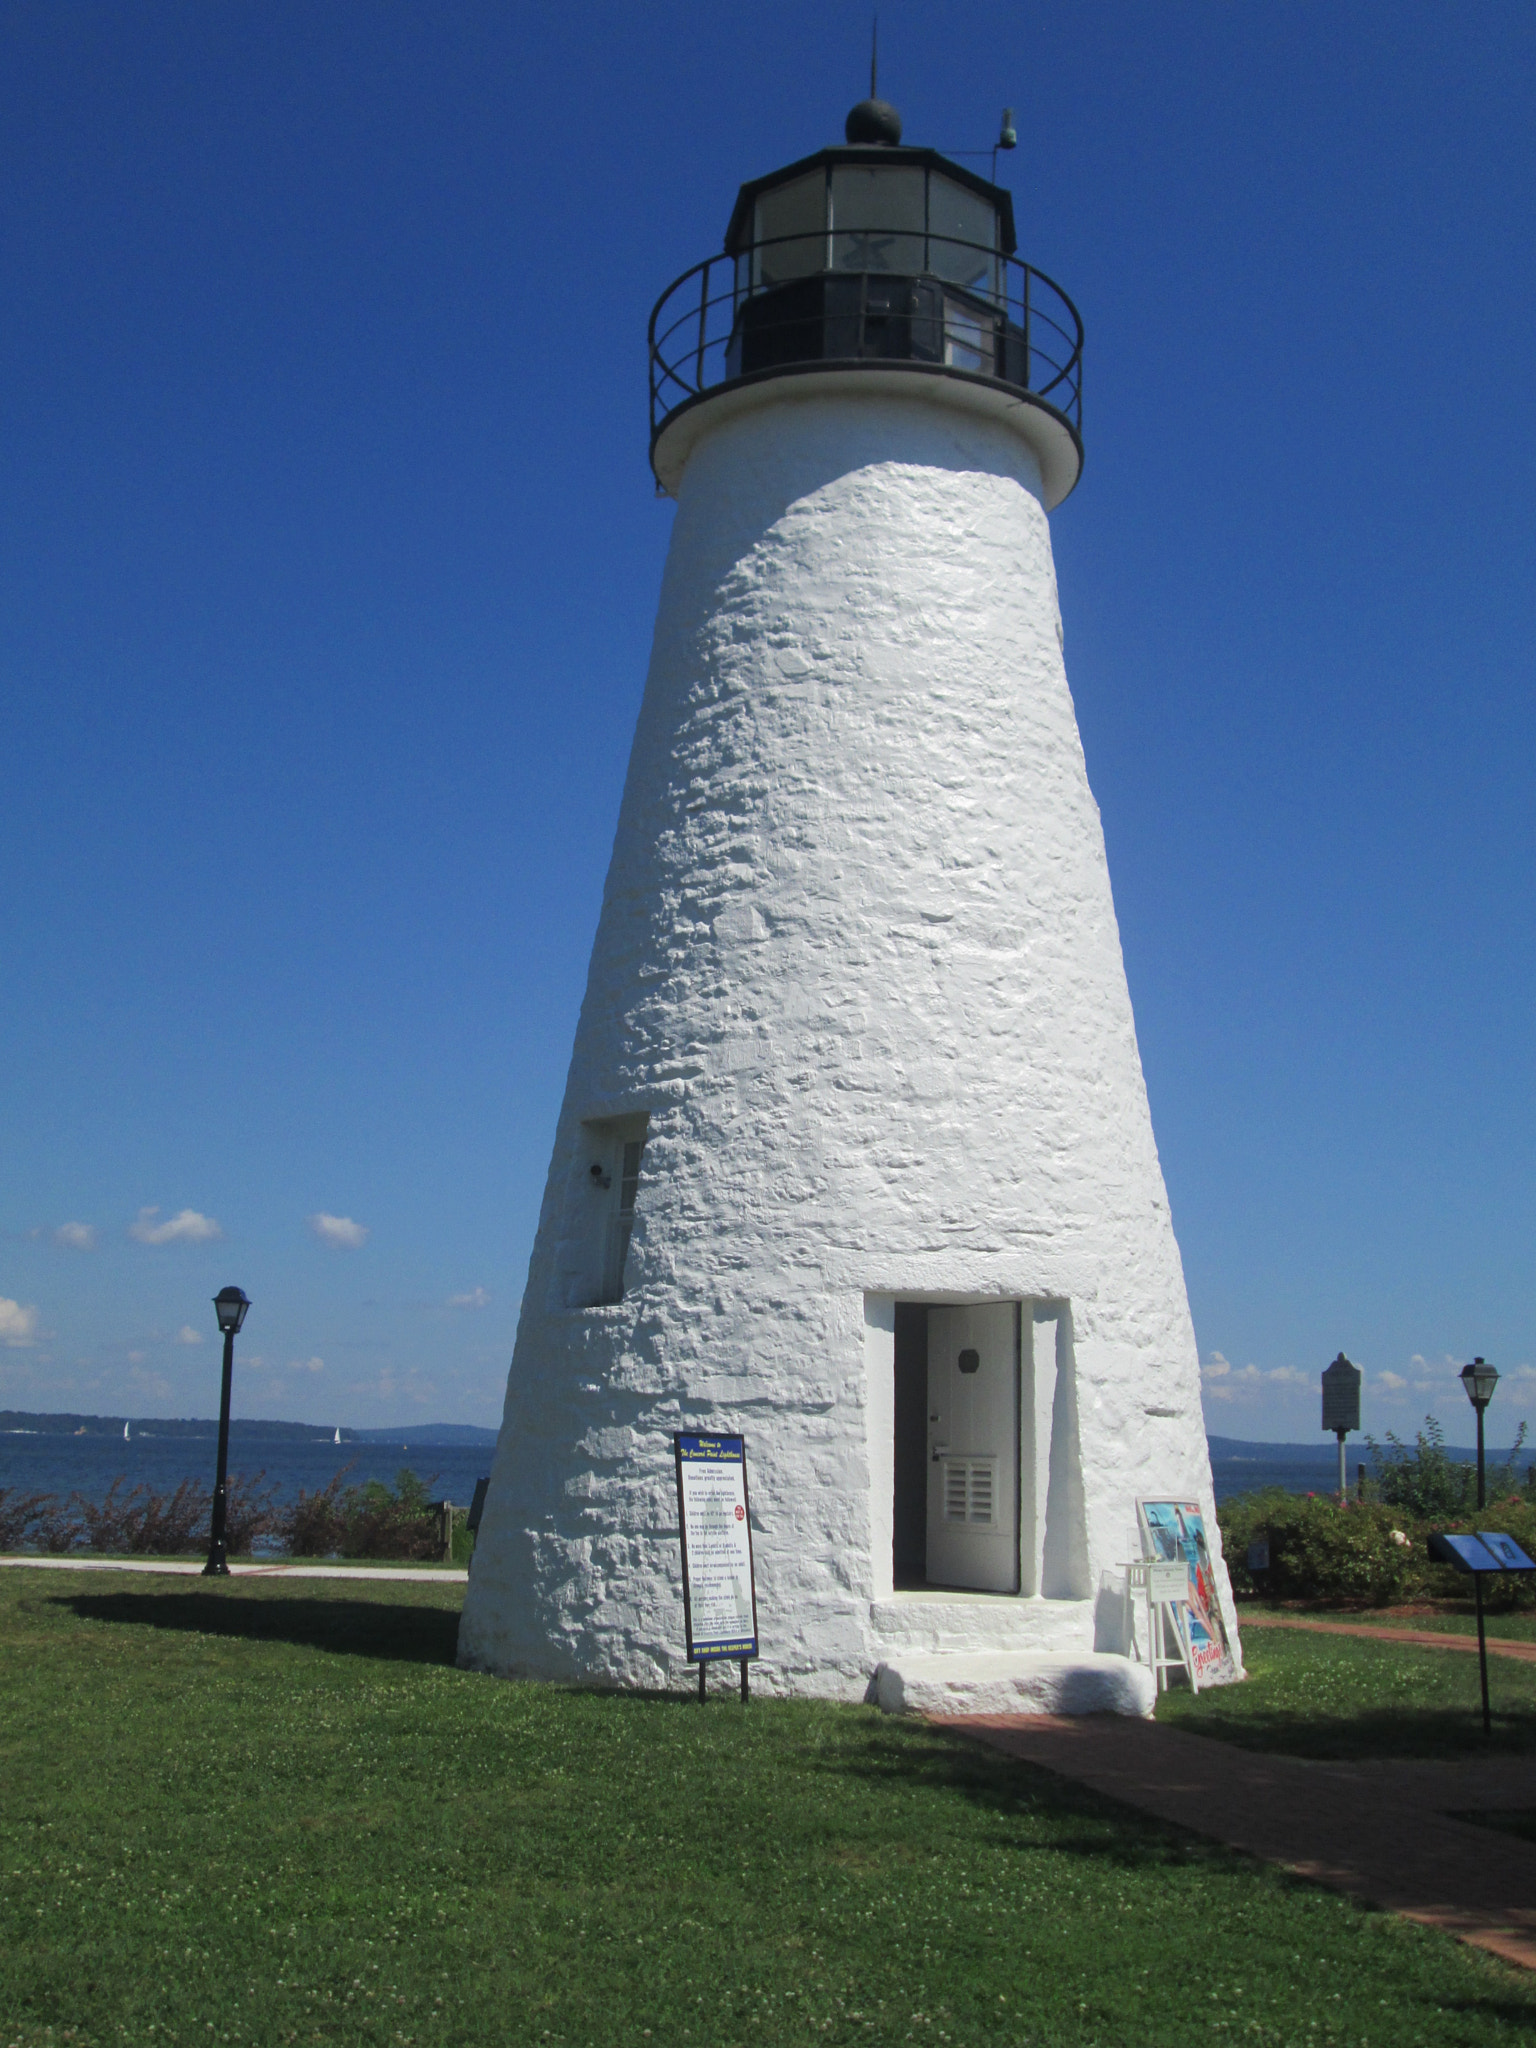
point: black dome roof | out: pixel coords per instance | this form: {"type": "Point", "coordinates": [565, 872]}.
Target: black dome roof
{"type": "Point", "coordinates": [873, 121]}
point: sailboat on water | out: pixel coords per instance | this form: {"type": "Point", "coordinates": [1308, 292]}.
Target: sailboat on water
{"type": "Point", "coordinates": [338, 1436]}
{"type": "Point", "coordinates": [126, 1437]}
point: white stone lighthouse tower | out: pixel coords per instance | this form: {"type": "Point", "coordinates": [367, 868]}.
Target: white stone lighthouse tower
{"type": "Point", "coordinates": [855, 1157]}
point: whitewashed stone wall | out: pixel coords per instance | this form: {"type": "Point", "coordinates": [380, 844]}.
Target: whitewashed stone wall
{"type": "Point", "coordinates": [858, 976]}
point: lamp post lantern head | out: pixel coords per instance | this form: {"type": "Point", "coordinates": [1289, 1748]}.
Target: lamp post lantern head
{"type": "Point", "coordinates": [230, 1305]}
{"type": "Point", "coordinates": [1479, 1378]}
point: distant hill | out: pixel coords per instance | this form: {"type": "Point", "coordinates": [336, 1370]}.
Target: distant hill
{"type": "Point", "coordinates": [424, 1433]}
{"type": "Point", "coordinates": [1324, 1448]}
{"type": "Point", "coordinates": [410, 1435]}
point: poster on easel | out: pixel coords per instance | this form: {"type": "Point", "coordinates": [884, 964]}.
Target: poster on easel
{"type": "Point", "coordinates": [1175, 1530]}
{"type": "Point", "coordinates": [714, 1517]}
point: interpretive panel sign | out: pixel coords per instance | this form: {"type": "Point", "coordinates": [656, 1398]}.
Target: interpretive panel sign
{"type": "Point", "coordinates": [719, 1596]}
{"type": "Point", "coordinates": [1506, 1550]}
{"type": "Point", "coordinates": [1175, 1530]}
{"type": "Point", "coordinates": [1466, 1553]}
{"type": "Point", "coordinates": [1487, 1551]}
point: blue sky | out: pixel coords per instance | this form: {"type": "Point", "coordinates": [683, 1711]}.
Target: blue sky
{"type": "Point", "coordinates": [329, 562]}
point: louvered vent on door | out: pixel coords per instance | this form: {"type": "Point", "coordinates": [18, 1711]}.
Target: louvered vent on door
{"type": "Point", "coordinates": [970, 1491]}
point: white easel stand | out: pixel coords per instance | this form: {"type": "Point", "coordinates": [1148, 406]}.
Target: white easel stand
{"type": "Point", "coordinates": [1163, 1589]}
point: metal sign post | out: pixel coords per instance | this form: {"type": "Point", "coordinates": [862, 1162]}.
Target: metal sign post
{"type": "Point", "coordinates": [1487, 1552]}
{"type": "Point", "coordinates": [715, 1525]}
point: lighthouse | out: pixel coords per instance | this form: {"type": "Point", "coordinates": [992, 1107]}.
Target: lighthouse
{"type": "Point", "coordinates": [855, 1158]}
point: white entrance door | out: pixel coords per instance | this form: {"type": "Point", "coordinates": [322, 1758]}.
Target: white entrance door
{"type": "Point", "coordinates": [973, 1447]}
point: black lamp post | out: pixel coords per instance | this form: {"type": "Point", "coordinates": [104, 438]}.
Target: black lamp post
{"type": "Point", "coordinates": [1479, 1378]}
{"type": "Point", "coordinates": [229, 1305]}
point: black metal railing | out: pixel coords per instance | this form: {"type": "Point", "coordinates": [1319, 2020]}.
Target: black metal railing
{"type": "Point", "coordinates": [790, 302]}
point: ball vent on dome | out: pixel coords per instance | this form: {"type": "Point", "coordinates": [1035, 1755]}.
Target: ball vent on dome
{"type": "Point", "coordinates": [873, 121]}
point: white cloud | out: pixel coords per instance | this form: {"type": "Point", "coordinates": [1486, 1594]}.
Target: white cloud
{"type": "Point", "coordinates": [187, 1335]}
{"type": "Point", "coordinates": [152, 1383]}
{"type": "Point", "coordinates": [1222, 1380]}
{"type": "Point", "coordinates": [339, 1231]}
{"type": "Point", "coordinates": [76, 1237]}
{"type": "Point", "coordinates": [18, 1325]}
{"type": "Point", "coordinates": [1393, 1382]}
{"type": "Point", "coordinates": [306, 1365]}
{"type": "Point", "coordinates": [186, 1227]}
{"type": "Point", "coordinates": [476, 1298]}
{"type": "Point", "coordinates": [137, 1357]}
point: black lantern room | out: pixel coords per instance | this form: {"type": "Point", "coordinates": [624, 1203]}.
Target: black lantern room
{"type": "Point", "coordinates": [870, 255]}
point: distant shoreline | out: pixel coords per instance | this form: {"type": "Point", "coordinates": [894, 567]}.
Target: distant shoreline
{"type": "Point", "coordinates": [441, 1435]}
{"type": "Point", "coordinates": [1243, 1450]}
{"type": "Point", "coordinates": [425, 1435]}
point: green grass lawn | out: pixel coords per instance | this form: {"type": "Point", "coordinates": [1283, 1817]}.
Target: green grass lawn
{"type": "Point", "coordinates": [261, 1812]}
{"type": "Point", "coordinates": [1319, 1695]}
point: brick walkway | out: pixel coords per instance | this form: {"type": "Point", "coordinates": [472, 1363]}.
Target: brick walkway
{"type": "Point", "coordinates": [1379, 1831]}
{"type": "Point", "coordinates": [1426, 1638]}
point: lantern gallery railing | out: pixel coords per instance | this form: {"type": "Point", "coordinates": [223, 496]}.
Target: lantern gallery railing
{"type": "Point", "coordinates": [767, 309]}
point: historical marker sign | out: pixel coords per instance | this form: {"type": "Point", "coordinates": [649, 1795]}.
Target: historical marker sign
{"type": "Point", "coordinates": [719, 1597]}
{"type": "Point", "coordinates": [1341, 1396]}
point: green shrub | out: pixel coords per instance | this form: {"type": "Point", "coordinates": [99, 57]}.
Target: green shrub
{"type": "Point", "coordinates": [315, 1525]}
{"type": "Point", "coordinates": [18, 1513]}
{"type": "Point", "coordinates": [361, 1521]}
{"type": "Point", "coordinates": [398, 1524]}
{"type": "Point", "coordinates": [365, 1521]}
{"type": "Point", "coordinates": [146, 1524]}
{"type": "Point", "coordinates": [1322, 1550]}
{"type": "Point", "coordinates": [1363, 1553]}
{"type": "Point", "coordinates": [1428, 1481]}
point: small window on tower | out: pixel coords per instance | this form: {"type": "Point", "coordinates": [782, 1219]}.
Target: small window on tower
{"type": "Point", "coordinates": [605, 1184]}
{"type": "Point", "coordinates": [624, 1217]}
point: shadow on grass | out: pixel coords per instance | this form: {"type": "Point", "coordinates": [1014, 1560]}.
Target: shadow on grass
{"type": "Point", "coordinates": [351, 1628]}
{"type": "Point", "coordinates": [1104, 1831]}
{"type": "Point", "coordinates": [1518, 1821]}
{"type": "Point", "coordinates": [1448, 1734]}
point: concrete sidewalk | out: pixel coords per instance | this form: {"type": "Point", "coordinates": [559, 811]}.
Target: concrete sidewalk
{"type": "Point", "coordinates": [434, 1576]}
{"type": "Point", "coordinates": [1382, 1832]}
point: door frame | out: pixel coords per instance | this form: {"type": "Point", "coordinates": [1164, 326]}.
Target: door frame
{"type": "Point", "coordinates": [880, 1411]}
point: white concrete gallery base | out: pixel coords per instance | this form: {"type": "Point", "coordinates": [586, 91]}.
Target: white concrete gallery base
{"type": "Point", "coordinates": [1098, 1683]}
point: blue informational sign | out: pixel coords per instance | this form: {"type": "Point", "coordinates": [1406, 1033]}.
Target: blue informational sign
{"type": "Point", "coordinates": [1466, 1553]}
{"type": "Point", "coordinates": [715, 1521]}
{"type": "Point", "coordinates": [1506, 1550]}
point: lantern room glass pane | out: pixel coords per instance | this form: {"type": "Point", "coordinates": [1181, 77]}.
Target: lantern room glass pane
{"type": "Point", "coordinates": [969, 340]}
{"type": "Point", "coordinates": [962, 236]}
{"type": "Point", "coordinates": [877, 218]}
{"type": "Point", "coordinates": [796, 211]}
